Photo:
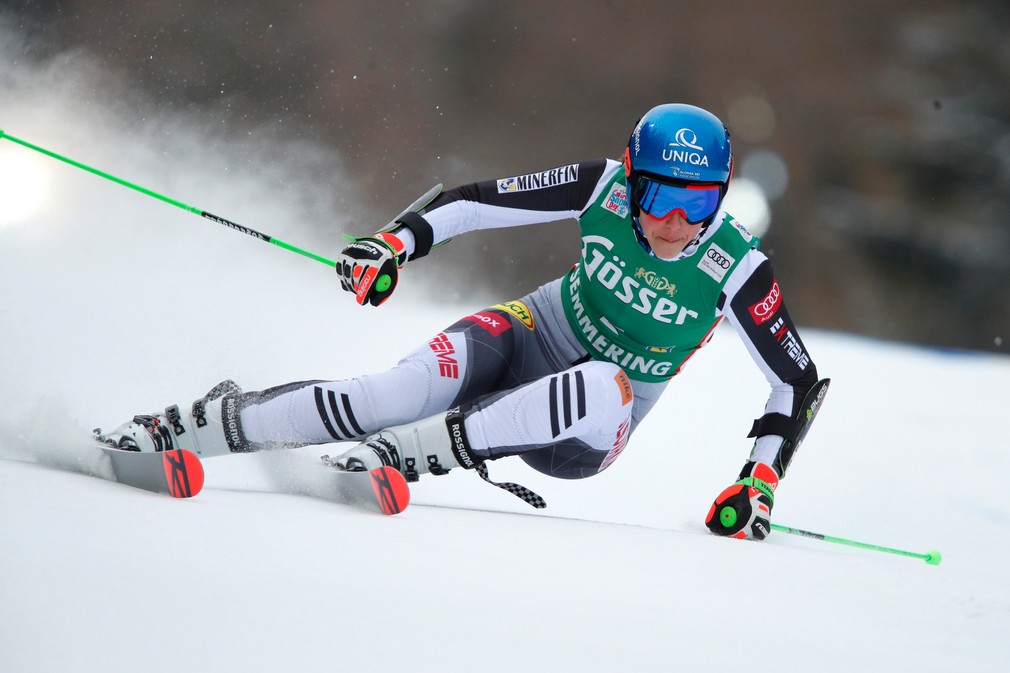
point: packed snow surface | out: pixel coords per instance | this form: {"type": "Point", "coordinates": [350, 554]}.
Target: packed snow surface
{"type": "Point", "coordinates": [909, 451]}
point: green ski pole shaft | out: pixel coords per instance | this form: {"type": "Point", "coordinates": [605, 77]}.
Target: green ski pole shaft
{"type": "Point", "coordinates": [178, 204]}
{"type": "Point", "coordinates": [932, 557]}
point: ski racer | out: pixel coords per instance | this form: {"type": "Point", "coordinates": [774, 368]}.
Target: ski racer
{"type": "Point", "coordinates": [562, 376]}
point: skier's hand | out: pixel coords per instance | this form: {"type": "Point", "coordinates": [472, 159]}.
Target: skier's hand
{"type": "Point", "coordinates": [744, 510]}
{"type": "Point", "coordinates": [368, 267]}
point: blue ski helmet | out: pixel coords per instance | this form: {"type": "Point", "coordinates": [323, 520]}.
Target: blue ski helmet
{"type": "Point", "coordinates": [678, 145]}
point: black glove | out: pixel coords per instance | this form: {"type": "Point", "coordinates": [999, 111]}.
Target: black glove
{"type": "Point", "coordinates": [744, 510]}
{"type": "Point", "coordinates": [368, 267]}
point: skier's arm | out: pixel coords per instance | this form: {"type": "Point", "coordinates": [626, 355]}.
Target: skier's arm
{"type": "Point", "coordinates": [369, 267]}
{"type": "Point", "coordinates": [555, 194]}
{"type": "Point", "coordinates": [752, 301]}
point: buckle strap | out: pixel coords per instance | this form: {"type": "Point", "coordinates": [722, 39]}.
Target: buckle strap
{"type": "Point", "coordinates": [435, 467]}
{"type": "Point", "coordinates": [231, 407]}
{"type": "Point", "coordinates": [410, 469]}
{"type": "Point", "coordinates": [160, 435]}
{"type": "Point", "coordinates": [424, 235]}
{"type": "Point", "coordinates": [174, 418]}
{"type": "Point", "coordinates": [466, 457]}
{"type": "Point", "coordinates": [200, 405]}
{"type": "Point", "coordinates": [776, 424]}
{"type": "Point", "coordinates": [518, 490]}
{"type": "Point", "coordinates": [459, 442]}
{"type": "Point", "coordinates": [386, 451]}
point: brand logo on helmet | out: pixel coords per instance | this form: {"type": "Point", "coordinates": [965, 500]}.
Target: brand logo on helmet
{"type": "Point", "coordinates": [688, 139]}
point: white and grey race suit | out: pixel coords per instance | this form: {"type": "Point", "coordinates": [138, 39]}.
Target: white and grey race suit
{"type": "Point", "coordinates": [538, 376]}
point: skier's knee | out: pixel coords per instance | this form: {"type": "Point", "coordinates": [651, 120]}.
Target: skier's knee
{"type": "Point", "coordinates": [612, 385]}
{"type": "Point", "coordinates": [594, 446]}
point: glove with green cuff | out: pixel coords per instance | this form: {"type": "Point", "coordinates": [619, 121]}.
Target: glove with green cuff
{"type": "Point", "coordinates": [369, 266]}
{"type": "Point", "coordinates": [744, 510]}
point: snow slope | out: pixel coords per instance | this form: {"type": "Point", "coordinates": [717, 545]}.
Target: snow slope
{"type": "Point", "coordinates": [115, 304]}
{"type": "Point", "coordinates": [100, 577]}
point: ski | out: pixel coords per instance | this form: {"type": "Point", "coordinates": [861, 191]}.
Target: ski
{"type": "Point", "coordinates": [177, 472]}
{"type": "Point", "coordinates": [382, 489]}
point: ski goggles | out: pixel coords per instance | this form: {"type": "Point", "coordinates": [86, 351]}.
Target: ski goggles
{"type": "Point", "coordinates": [696, 202]}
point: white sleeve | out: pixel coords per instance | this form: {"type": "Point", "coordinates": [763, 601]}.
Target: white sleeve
{"type": "Point", "coordinates": [547, 196]}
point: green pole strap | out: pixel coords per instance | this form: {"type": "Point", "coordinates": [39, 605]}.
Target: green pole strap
{"type": "Point", "coordinates": [177, 204]}
{"type": "Point", "coordinates": [932, 557]}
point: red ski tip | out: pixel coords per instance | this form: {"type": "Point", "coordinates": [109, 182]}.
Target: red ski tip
{"type": "Point", "coordinates": [391, 490]}
{"type": "Point", "coordinates": [183, 473]}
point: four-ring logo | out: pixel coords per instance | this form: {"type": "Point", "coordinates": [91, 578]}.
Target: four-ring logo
{"type": "Point", "coordinates": [763, 311]}
{"type": "Point", "coordinates": [716, 262]}
{"type": "Point", "coordinates": [719, 259]}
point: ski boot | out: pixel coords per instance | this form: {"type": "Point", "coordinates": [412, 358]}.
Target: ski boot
{"type": "Point", "coordinates": [210, 429]}
{"type": "Point", "coordinates": [433, 445]}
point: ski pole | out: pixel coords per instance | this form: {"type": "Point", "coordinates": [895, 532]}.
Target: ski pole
{"type": "Point", "coordinates": [421, 202]}
{"type": "Point", "coordinates": [178, 204]}
{"type": "Point", "coordinates": [932, 557]}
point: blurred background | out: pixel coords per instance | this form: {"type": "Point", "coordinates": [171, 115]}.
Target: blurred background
{"type": "Point", "coordinates": [872, 139]}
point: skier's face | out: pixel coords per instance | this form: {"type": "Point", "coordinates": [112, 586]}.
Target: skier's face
{"type": "Point", "coordinates": [670, 235]}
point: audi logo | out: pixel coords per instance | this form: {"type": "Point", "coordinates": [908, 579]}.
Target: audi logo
{"type": "Point", "coordinates": [768, 304]}
{"type": "Point", "coordinates": [717, 258]}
